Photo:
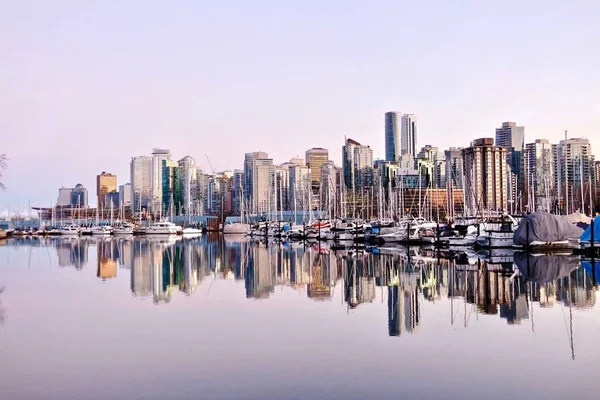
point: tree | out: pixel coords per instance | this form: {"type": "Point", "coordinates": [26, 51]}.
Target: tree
{"type": "Point", "coordinates": [3, 160]}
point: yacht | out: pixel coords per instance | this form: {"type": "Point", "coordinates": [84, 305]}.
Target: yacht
{"type": "Point", "coordinates": [189, 231]}
{"type": "Point", "coordinates": [124, 229]}
{"type": "Point", "coordinates": [236, 228]}
{"type": "Point", "coordinates": [163, 228]}
{"type": "Point", "coordinates": [102, 230]}
{"type": "Point", "coordinates": [70, 230]}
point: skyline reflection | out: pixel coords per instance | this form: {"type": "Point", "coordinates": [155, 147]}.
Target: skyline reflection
{"type": "Point", "coordinates": [161, 268]}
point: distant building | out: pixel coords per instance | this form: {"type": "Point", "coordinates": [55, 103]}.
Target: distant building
{"type": "Point", "coordinates": [299, 187]}
{"type": "Point", "coordinates": [141, 182]}
{"type": "Point", "coordinates": [363, 167]}
{"type": "Point", "coordinates": [597, 185]}
{"type": "Point", "coordinates": [263, 185]}
{"type": "Point", "coordinates": [348, 164]}
{"type": "Point", "coordinates": [73, 197]}
{"type": "Point", "coordinates": [314, 158]}
{"type": "Point", "coordinates": [158, 156]}
{"type": "Point", "coordinates": [125, 195]}
{"type": "Point", "coordinates": [512, 137]}
{"type": "Point", "coordinates": [249, 173]}
{"type": "Point", "coordinates": [574, 166]}
{"type": "Point", "coordinates": [172, 188]}
{"type": "Point", "coordinates": [486, 170]}
{"type": "Point", "coordinates": [408, 139]}
{"type": "Point", "coordinates": [113, 200]}
{"type": "Point", "coordinates": [105, 183]}
{"type": "Point", "coordinates": [454, 167]}
{"type": "Point", "coordinates": [539, 175]}
{"type": "Point", "coordinates": [392, 135]}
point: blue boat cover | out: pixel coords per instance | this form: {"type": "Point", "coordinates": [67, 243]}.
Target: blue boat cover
{"type": "Point", "coordinates": [586, 236]}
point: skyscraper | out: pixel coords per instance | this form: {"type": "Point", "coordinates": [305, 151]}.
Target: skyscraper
{"type": "Point", "coordinates": [263, 185]}
{"type": "Point", "coordinates": [248, 173]}
{"type": "Point", "coordinates": [316, 157]}
{"type": "Point", "coordinates": [363, 167]}
{"type": "Point", "coordinates": [539, 175]}
{"type": "Point", "coordinates": [486, 171]}
{"type": "Point", "coordinates": [348, 162]}
{"type": "Point", "coordinates": [125, 195]}
{"type": "Point", "coordinates": [408, 139]}
{"type": "Point", "coordinates": [141, 182]}
{"type": "Point", "coordinates": [392, 135]}
{"type": "Point", "coordinates": [512, 137]}
{"type": "Point", "coordinates": [158, 156]}
{"type": "Point", "coordinates": [574, 169]}
{"type": "Point", "coordinates": [300, 182]}
{"type": "Point", "coordinates": [105, 183]}
{"type": "Point", "coordinates": [454, 167]}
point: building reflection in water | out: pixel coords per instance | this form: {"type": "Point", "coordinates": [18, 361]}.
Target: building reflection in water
{"type": "Point", "coordinates": [504, 286]}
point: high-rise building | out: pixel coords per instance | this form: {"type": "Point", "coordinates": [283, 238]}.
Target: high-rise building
{"type": "Point", "coordinates": [158, 156]}
{"type": "Point", "coordinates": [512, 137]}
{"type": "Point", "coordinates": [574, 172]}
{"type": "Point", "coordinates": [348, 162]}
{"type": "Point", "coordinates": [189, 176]}
{"type": "Point", "coordinates": [249, 174]}
{"type": "Point", "coordinates": [392, 135]}
{"type": "Point", "coordinates": [486, 171]}
{"type": "Point", "coordinates": [316, 157]}
{"type": "Point", "coordinates": [363, 167]}
{"type": "Point", "coordinates": [539, 175]}
{"type": "Point", "coordinates": [105, 183]}
{"type": "Point", "coordinates": [141, 182]}
{"type": "Point", "coordinates": [172, 188]}
{"type": "Point", "coordinates": [408, 137]}
{"type": "Point", "coordinates": [237, 191]}
{"type": "Point", "coordinates": [454, 167]}
{"type": "Point", "coordinates": [263, 185]}
{"type": "Point", "coordinates": [597, 185]}
{"type": "Point", "coordinates": [299, 187]}
{"type": "Point", "coordinates": [125, 195]}
{"type": "Point", "coordinates": [64, 197]}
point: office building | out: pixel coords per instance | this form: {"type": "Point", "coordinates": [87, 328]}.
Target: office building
{"type": "Point", "coordinates": [141, 182]}
{"type": "Point", "coordinates": [539, 175]}
{"type": "Point", "coordinates": [408, 136]}
{"type": "Point", "coordinates": [348, 163]}
{"type": "Point", "coordinates": [158, 156]}
{"type": "Point", "coordinates": [363, 167]}
{"type": "Point", "coordinates": [512, 137]}
{"type": "Point", "coordinates": [314, 158]}
{"type": "Point", "coordinates": [249, 174]}
{"type": "Point", "coordinates": [263, 185]}
{"type": "Point", "coordinates": [392, 135]}
{"type": "Point", "coordinates": [574, 174]}
{"type": "Point", "coordinates": [76, 197]}
{"type": "Point", "coordinates": [125, 195]}
{"type": "Point", "coordinates": [105, 183]}
{"type": "Point", "coordinates": [190, 186]}
{"type": "Point", "coordinates": [486, 177]}
{"type": "Point", "coordinates": [172, 188]}
{"type": "Point", "coordinates": [454, 167]}
{"type": "Point", "coordinates": [299, 187]}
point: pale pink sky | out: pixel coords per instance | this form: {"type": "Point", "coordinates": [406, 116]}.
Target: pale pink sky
{"type": "Point", "coordinates": [86, 85]}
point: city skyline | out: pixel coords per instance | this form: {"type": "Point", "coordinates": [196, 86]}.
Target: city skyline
{"type": "Point", "coordinates": [89, 101]}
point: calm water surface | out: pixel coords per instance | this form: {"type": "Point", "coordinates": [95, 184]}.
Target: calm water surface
{"type": "Point", "coordinates": [213, 319]}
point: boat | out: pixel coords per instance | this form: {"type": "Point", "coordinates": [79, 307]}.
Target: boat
{"type": "Point", "coordinates": [591, 232]}
{"type": "Point", "coordinates": [468, 239]}
{"type": "Point", "coordinates": [545, 231]}
{"type": "Point", "coordinates": [236, 228]}
{"type": "Point", "coordinates": [70, 230]}
{"type": "Point", "coordinates": [189, 231]}
{"type": "Point", "coordinates": [102, 230]}
{"type": "Point", "coordinates": [124, 229]}
{"type": "Point", "coordinates": [498, 234]}
{"type": "Point", "coordinates": [163, 228]}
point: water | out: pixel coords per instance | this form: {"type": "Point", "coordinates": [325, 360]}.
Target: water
{"type": "Point", "coordinates": [212, 319]}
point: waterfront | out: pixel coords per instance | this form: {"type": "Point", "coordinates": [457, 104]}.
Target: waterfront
{"type": "Point", "coordinates": [205, 318]}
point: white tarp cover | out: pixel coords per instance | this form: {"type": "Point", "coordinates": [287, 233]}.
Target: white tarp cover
{"type": "Point", "coordinates": [545, 227]}
{"type": "Point", "coordinates": [579, 217]}
{"type": "Point", "coordinates": [545, 268]}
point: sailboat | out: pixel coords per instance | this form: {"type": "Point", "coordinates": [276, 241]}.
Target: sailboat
{"type": "Point", "coordinates": [237, 228]}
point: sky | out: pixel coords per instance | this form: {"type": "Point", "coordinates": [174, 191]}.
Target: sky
{"type": "Point", "coordinates": [86, 85]}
